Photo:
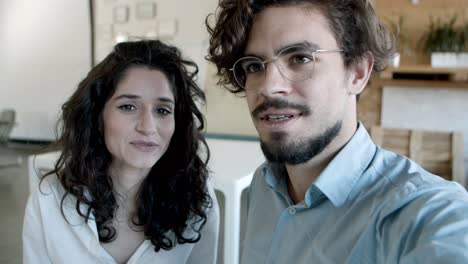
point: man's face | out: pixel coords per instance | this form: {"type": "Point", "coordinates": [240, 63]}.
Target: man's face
{"type": "Point", "coordinates": [297, 120]}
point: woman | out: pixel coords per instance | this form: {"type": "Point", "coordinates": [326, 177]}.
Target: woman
{"type": "Point", "coordinates": [130, 185]}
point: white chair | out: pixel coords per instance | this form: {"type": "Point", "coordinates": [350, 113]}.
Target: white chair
{"type": "Point", "coordinates": [40, 164]}
{"type": "Point", "coordinates": [7, 122]}
{"type": "Point", "coordinates": [232, 163]}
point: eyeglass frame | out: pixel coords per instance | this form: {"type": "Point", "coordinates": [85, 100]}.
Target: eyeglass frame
{"type": "Point", "coordinates": [276, 57]}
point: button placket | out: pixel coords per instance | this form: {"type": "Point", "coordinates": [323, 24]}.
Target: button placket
{"type": "Point", "coordinates": [292, 210]}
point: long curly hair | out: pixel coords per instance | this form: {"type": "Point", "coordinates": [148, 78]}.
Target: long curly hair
{"type": "Point", "coordinates": [353, 23]}
{"type": "Point", "coordinates": [173, 198]}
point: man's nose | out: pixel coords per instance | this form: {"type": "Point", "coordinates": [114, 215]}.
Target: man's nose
{"type": "Point", "coordinates": [273, 82]}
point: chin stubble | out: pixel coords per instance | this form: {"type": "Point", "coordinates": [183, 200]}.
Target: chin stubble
{"type": "Point", "coordinates": [299, 151]}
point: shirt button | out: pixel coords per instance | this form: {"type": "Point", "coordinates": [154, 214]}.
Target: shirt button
{"type": "Point", "coordinates": [292, 210]}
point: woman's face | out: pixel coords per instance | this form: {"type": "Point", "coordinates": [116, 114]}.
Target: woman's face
{"type": "Point", "coordinates": [139, 120]}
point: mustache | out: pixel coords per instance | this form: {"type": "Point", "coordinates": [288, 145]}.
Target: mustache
{"type": "Point", "coordinates": [279, 104]}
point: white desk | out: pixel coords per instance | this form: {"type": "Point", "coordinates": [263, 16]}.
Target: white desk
{"type": "Point", "coordinates": [232, 163]}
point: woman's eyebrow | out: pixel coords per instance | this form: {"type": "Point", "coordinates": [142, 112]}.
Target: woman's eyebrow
{"type": "Point", "coordinates": [165, 100]}
{"type": "Point", "coordinates": [127, 96]}
{"type": "Point", "coordinates": [134, 96]}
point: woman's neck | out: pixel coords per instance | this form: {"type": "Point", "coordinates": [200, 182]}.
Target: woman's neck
{"type": "Point", "coordinates": [126, 181]}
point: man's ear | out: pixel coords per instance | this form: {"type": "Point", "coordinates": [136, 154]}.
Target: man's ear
{"type": "Point", "coordinates": [360, 73]}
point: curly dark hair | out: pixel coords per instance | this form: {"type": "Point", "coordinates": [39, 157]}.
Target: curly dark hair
{"type": "Point", "coordinates": [175, 190]}
{"type": "Point", "coordinates": [353, 23]}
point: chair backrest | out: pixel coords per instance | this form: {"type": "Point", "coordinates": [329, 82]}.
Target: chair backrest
{"type": "Point", "coordinates": [440, 153]}
{"type": "Point", "coordinates": [7, 122]}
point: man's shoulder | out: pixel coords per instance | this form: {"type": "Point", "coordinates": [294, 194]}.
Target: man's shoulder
{"type": "Point", "coordinates": [266, 173]}
{"type": "Point", "coordinates": [261, 170]}
{"type": "Point", "coordinates": [406, 182]}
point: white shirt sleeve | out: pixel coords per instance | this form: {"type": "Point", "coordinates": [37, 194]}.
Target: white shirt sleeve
{"type": "Point", "coordinates": [34, 244]}
{"type": "Point", "coordinates": [205, 250]}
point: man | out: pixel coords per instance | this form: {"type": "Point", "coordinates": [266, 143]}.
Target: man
{"type": "Point", "coordinates": [327, 194]}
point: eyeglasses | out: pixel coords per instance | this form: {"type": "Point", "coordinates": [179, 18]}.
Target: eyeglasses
{"type": "Point", "coordinates": [295, 63]}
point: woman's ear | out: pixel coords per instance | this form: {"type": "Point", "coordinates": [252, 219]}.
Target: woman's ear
{"type": "Point", "coordinates": [360, 73]}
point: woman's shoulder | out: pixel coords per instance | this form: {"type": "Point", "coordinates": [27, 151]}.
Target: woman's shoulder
{"type": "Point", "coordinates": [214, 207]}
{"type": "Point", "coordinates": [51, 199]}
{"type": "Point", "coordinates": [211, 209]}
{"type": "Point", "coordinates": [51, 193]}
{"type": "Point", "coordinates": [49, 188]}
{"type": "Point", "coordinates": [47, 195]}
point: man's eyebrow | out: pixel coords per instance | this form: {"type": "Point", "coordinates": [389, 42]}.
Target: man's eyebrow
{"type": "Point", "coordinates": [303, 44]}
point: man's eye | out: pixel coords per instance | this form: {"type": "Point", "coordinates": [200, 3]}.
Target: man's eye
{"type": "Point", "coordinates": [252, 67]}
{"type": "Point", "coordinates": [127, 107]}
{"type": "Point", "coordinates": [300, 59]}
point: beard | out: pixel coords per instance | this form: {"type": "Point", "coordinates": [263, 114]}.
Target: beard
{"type": "Point", "coordinates": [298, 151]}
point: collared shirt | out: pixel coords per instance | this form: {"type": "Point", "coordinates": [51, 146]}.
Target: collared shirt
{"type": "Point", "coordinates": [369, 205]}
{"type": "Point", "coordinates": [49, 238]}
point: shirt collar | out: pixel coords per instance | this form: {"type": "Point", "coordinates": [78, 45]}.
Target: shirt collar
{"type": "Point", "coordinates": [339, 177]}
{"type": "Point", "coordinates": [273, 174]}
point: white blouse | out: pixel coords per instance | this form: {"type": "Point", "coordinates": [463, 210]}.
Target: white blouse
{"type": "Point", "coordinates": [49, 238]}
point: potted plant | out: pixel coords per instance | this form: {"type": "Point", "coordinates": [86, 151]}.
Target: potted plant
{"type": "Point", "coordinates": [400, 37]}
{"type": "Point", "coordinates": [463, 60]}
{"type": "Point", "coordinates": [446, 43]}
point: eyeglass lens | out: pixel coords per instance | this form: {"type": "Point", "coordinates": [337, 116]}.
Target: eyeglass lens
{"type": "Point", "coordinates": [294, 64]}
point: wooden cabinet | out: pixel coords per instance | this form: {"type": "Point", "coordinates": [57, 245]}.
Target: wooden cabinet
{"type": "Point", "coordinates": [414, 76]}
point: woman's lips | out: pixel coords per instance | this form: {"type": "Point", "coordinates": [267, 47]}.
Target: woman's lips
{"type": "Point", "coordinates": [145, 146]}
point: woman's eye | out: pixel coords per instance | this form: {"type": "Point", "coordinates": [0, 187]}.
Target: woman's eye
{"type": "Point", "coordinates": [163, 111]}
{"type": "Point", "coordinates": [127, 107]}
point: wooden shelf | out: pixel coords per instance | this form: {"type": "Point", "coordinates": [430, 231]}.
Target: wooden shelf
{"type": "Point", "coordinates": [452, 74]}
{"type": "Point", "coordinates": [380, 83]}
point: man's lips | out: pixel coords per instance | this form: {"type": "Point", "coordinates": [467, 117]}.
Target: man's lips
{"type": "Point", "coordinates": [276, 108]}
{"type": "Point", "coordinates": [277, 117]}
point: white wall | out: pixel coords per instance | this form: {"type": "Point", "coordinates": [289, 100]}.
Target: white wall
{"type": "Point", "coordinates": [45, 52]}
{"type": "Point", "coordinates": [189, 34]}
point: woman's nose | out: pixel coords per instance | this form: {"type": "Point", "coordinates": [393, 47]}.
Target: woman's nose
{"type": "Point", "coordinates": [146, 123]}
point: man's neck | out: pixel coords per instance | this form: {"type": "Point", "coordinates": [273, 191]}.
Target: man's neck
{"type": "Point", "coordinates": [301, 177]}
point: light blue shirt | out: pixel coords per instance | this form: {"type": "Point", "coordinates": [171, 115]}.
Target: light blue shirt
{"type": "Point", "coordinates": [369, 205]}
